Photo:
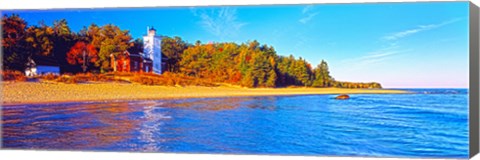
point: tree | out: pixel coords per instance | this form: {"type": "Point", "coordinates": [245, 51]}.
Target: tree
{"type": "Point", "coordinates": [322, 75]}
{"type": "Point", "coordinates": [82, 54]}
{"type": "Point", "coordinates": [194, 61]}
{"type": "Point", "coordinates": [248, 80]}
{"type": "Point", "coordinates": [172, 48]}
{"type": "Point", "coordinates": [272, 78]}
{"type": "Point", "coordinates": [40, 39]}
{"type": "Point", "coordinates": [14, 43]}
{"type": "Point", "coordinates": [63, 40]}
{"type": "Point", "coordinates": [61, 28]}
{"type": "Point", "coordinates": [93, 35]}
{"type": "Point", "coordinates": [108, 39]}
{"type": "Point", "coordinates": [300, 71]}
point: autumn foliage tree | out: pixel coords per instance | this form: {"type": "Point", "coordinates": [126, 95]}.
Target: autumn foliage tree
{"type": "Point", "coordinates": [40, 39]}
{"type": "Point", "coordinates": [63, 40]}
{"type": "Point", "coordinates": [13, 42]}
{"type": "Point", "coordinates": [172, 48]}
{"type": "Point", "coordinates": [110, 40]}
{"type": "Point", "coordinates": [82, 54]}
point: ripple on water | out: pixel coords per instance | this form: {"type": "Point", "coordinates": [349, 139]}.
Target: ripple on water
{"type": "Point", "coordinates": [406, 125]}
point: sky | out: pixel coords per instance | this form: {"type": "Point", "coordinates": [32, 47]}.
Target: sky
{"type": "Point", "coordinates": [400, 45]}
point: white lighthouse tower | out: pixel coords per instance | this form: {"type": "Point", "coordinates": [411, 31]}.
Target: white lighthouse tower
{"type": "Point", "coordinates": [152, 48]}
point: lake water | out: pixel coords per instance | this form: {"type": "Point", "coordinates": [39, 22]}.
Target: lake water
{"type": "Point", "coordinates": [431, 123]}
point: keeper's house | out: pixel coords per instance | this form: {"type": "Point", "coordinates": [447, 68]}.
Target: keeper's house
{"type": "Point", "coordinates": [151, 60]}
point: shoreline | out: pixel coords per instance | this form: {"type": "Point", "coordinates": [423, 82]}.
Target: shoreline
{"type": "Point", "coordinates": [37, 93]}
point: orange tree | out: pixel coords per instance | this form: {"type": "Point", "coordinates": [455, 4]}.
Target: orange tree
{"type": "Point", "coordinates": [82, 54]}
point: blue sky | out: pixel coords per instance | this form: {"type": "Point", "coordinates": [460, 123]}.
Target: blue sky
{"type": "Point", "coordinates": [400, 45]}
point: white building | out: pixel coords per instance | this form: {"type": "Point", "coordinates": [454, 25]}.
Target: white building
{"type": "Point", "coordinates": [152, 48]}
{"type": "Point", "coordinates": [39, 65]}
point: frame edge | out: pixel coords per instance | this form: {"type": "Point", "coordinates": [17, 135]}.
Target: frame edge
{"type": "Point", "coordinates": [474, 82]}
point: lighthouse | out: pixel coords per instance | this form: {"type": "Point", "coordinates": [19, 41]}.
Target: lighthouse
{"type": "Point", "coordinates": [152, 49]}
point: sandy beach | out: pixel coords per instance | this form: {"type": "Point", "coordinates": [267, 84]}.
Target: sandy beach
{"type": "Point", "coordinates": [43, 92]}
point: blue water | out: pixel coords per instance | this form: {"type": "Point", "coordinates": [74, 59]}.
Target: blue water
{"type": "Point", "coordinates": [430, 123]}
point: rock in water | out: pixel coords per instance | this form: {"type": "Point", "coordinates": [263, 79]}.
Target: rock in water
{"type": "Point", "coordinates": [343, 96]}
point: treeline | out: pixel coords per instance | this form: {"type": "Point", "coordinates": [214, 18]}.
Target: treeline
{"type": "Point", "coordinates": [248, 64]}
{"type": "Point", "coordinates": [254, 65]}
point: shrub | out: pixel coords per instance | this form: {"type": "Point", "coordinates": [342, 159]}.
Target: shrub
{"type": "Point", "coordinates": [166, 79]}
{"type": "Point", "coordinates": [13, 76]}
{"type": "Point", "coordinates": [84, 77]}
{"type": "Point", "coordinates": [73, 80]}
{"type": "Point", "coordinates": [153, 79]}
{"type": "Point", "coordinates": [87, 77]}
{"type": "Point", "coordinates": [123, 74]}
{"type": "Point", "coordinates": [63, 78]}
{"type": "Point", "coordinates": [103, 78]}
{"type": "Point", "coordinates": [49, 76]}
{"type": "Point", "coordinates": [146, 80]}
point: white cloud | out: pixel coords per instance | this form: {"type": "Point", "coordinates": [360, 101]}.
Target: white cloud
{"type": "Point", "coordinates": [420, 28]}
{"type": "Point", "coordinates": [373, 58]}
{"type": "Point", "coordinates": [304, 20]}
{"type": "Point", "coordinates": [221, 22]}
{"type": "Point", "coordinates": [307, 13]}
{"type": "Point", "coordinates": [307, 9]}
